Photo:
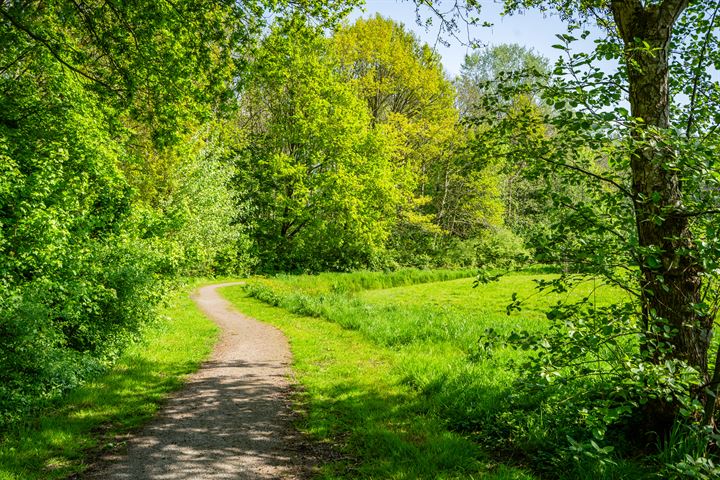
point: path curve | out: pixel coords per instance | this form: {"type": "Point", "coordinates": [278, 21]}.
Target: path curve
{"type": "Point", "coordinates": [232, 420]}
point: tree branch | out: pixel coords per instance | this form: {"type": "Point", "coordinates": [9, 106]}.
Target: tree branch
{"type": "Point", "coordinates": [90, 25]}
{"type": "Point", "coordinates": [22, 55]}
{"type": "Point", "coordinates": [45, 43]}
{"type": "Point", "coordinates": [670, 10]}
{"type": "Point", "coordinates": [594, 222]}
{"type": "Point", "coordinates": [696, 79]}
{"type": "Point", "coordinates": [695, 214]}
{"type": "Point", "coordinates": [624, 11]}
{"type": "Point", "coordinates": [612, 182]}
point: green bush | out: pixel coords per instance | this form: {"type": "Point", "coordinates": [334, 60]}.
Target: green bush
{"type": "Point", "coordinates": [85, 255]}
{"type": "Point", "coordinates": [500, 248]}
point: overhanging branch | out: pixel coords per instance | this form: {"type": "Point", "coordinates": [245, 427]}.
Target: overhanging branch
{"type": "Point", "coordinates": [56, 55]}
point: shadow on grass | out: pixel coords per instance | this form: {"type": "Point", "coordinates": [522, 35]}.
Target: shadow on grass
{"type": "Point", "coordinates": [394, 435]}
{"type": "Point", "coordinates": [55, 442]}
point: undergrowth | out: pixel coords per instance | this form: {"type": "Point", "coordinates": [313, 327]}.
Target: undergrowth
{"type": "Point", "coordinates": [60, 440]}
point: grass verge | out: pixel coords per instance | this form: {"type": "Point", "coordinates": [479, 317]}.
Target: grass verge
{"type": "Point", "coordinates": [355, 399]}
{"type": "Point", "coordinates": [59, 442]}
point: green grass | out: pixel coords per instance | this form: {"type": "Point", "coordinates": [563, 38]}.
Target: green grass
{"type": "Point", "coordinates": [488, 299]}
{"type": "Point", "coordinates": [447, 312]}
{"type": "Point", "coordinates": [355, 400]}
{"type": "Point", "coordinates": [365, 280]}
{"type": "Point", "coordinates": [427, 335]}
{"type": "Point", "coordinates": [59, 442]}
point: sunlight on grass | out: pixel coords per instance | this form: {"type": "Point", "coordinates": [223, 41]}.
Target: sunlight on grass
{"type": "Point", "coordinates": [356, 398]}
{"type": "Point", "coordinates": [437, 386]}
{"type": "Point", "coordinates": [59, 442]}
{"type": "Point", "coordinates": [489, 299]}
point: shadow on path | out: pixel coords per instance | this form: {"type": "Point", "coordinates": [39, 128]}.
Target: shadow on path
{"type": "Point", "coordinates": [232, 420]}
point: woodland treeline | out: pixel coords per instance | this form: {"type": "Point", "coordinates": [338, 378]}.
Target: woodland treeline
{"type": "Point", "coordinates": [148, 141]}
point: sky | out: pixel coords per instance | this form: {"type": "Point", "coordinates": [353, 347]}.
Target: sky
{"type": "Point", "coordinates": [531, 29]}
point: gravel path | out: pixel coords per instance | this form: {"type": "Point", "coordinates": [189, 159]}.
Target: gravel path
{"type": "Point", "coordinates": [231, 421]}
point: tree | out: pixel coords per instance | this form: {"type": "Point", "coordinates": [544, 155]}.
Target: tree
{"type": "Point", "coordinates": [638, 140]}
{"type": "Point", "coordinates": [411, 101]}
{"type": "Point", "coordinates": [484, 68]}
{"type": "Point", "coordinates": [315, 177]}
{"type": "Point", "coordinates": [526, 212]}
{"type": "Point", "coordinates": [653, 174]}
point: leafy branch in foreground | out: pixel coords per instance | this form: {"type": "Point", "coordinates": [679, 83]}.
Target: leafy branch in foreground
{"type": "Point", "coordinates": [639, 191]}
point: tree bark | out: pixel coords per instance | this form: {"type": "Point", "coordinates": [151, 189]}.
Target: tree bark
{"type": "Point", "coordinates": [671, 275]}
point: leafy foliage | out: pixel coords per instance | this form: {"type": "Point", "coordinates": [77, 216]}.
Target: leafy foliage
{"type": "Point", "coordinates": [114, 177]}
{"type": "Point", "coordinates": [76, 285]}
{"type": "Point", "coordinates": [316, 179]}
{"type": "Point", "coordinates": [526, 207]}
{"type": "Point", "coordinates": [448, 197]}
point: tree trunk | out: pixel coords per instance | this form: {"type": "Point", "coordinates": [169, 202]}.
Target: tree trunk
{"type": "Point", "coordinates": [671, 276]}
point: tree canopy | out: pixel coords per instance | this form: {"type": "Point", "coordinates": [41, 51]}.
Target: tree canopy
{"type": "Point", "coordinates": [316, 178]}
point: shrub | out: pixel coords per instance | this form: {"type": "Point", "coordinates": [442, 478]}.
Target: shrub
{"type": "Point", "coordinates": [500, 248]}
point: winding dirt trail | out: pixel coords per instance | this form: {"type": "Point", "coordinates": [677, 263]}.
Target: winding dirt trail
{"type": "Point", "coordinates": [232, 420]}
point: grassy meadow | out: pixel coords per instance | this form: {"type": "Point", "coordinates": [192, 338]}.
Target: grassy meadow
{"type": "Point", "coordinates": [392, 382]}
{"type": "Point", "coordinates": [394, 376]}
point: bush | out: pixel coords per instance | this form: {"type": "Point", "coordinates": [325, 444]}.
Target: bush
{"type": "Point", "coordinates": [500, 248]}
{"type": "Point", "coordinates": [587, 384]}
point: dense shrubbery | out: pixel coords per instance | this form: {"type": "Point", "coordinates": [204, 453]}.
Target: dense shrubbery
{"type": "Point", "coordinates": [82, 262]}
{"type": "Point", "coordinates": [97, 212]}
{"type": "Point", "coordinates": [501, 248]}
{"type": "Point", "coordinates": [583, 388]}
{"type": "Point", "coordinates": [72, 279]}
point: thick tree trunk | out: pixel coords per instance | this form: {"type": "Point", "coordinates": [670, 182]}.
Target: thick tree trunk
{"type": "Point", "coordinates": [671, 276]}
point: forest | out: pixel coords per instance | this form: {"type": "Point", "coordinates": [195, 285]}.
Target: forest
{"type": "Point", "coordinates": [146, 145]}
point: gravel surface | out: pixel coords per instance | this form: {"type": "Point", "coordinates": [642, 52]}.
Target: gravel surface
{"type": "Point", "coordinates": [231, 421]}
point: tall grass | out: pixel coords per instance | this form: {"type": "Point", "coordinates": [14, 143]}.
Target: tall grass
{"type": "Point", "coordinates": [442, 311]}
{"type": "Point", "coordinates": [366, 280]}
{"type": "Point", "coordinates": [433, 331]}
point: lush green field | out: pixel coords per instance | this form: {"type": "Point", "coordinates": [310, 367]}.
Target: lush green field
{"type": "Point", "coordinates": [59, 441]}
{"type": "Point", "coordinates": [323, 283]}
{"type": "Point", "coordinates": [417, 343]}
{"type": "Point", "coordinates": [375, 424]}
{"type": "Point", "coordinates": [392, 379]}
